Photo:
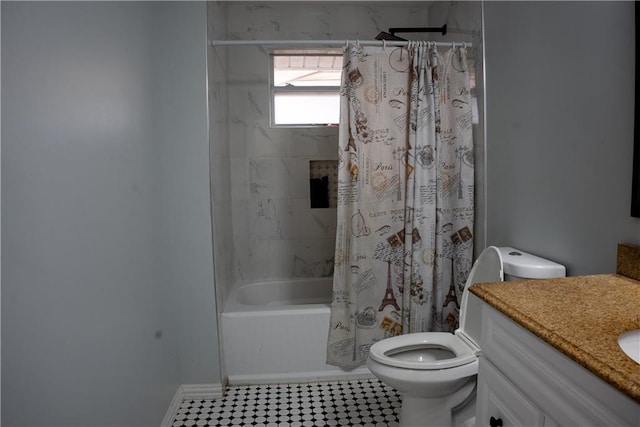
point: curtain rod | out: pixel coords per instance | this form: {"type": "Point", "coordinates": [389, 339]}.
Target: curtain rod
{"type": "Point", "coordinates": [215, 43]}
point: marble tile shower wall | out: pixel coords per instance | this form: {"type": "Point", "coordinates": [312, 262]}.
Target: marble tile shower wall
{"type": "Point", "coordinates": [275, 232]}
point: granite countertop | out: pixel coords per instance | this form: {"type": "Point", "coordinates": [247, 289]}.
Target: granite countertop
{"type": "Point", "coordinates": [580, 316]}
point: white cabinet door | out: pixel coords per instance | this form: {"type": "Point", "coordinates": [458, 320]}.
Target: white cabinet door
{"type": "Point", "coordinates": [501, 404]}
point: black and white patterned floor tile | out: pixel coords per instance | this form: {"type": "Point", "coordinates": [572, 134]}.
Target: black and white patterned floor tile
{"type": "Point", "coordinates": [343, 403]}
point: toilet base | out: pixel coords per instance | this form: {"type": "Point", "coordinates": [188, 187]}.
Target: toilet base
{"type": "Point", "coordinates": [421, 411]}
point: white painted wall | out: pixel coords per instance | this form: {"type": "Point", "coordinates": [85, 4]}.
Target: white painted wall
{"type": "Point", "coordinates": [184, 211]}
{"type": "Point", "coordinates": [560, 114]}
{"type": "Point", "coordinates": [107, 277]}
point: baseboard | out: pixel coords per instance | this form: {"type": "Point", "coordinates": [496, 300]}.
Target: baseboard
{"type": "Point", "coordinates": [201, 391]}
{"type": "Point", "coordinates": [167, 421]}
{"type": "Point", "coordinates": [302, 377]}
{"type": "Point", "coordinates": [190, 392]}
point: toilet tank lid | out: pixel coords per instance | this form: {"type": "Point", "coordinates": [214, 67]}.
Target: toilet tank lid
{"type": "Point", "coordinates": [527, 266]}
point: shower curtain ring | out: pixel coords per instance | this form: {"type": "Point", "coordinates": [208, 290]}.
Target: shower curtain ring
{"type": "Point", "coordinates": [384, 44]}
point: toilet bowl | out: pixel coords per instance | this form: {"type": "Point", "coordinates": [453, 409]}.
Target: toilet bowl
{"type": "Point", "coordinates": [435, 372]}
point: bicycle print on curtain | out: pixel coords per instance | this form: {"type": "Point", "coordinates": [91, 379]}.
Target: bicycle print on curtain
{"type": "Point", "coordinates": [404, 242]}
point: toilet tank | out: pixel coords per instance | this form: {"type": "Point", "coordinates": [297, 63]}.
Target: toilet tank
{"type": "Point", "coordinates": [519, 265]}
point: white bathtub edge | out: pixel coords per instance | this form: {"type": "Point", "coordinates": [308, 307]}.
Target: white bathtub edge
{"type": "Point", "coordinates": [301, 377]}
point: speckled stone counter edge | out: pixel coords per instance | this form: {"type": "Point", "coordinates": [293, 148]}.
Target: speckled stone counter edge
{"type": "Point", "coordinates": [628, 261]}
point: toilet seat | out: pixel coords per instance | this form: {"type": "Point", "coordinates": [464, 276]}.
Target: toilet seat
{"type": "Point", "coordinates": [463, 344]}
{"type": "Point", "coordinates": [383, 351]}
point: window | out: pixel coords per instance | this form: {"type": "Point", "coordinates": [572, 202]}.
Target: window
{"type": "Point", "coordinates": [305, 87]}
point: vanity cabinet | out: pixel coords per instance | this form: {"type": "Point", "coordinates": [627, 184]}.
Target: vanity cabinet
{"type": "Point", "coordinates": [523, 381]}
{"type": "Point", "coordinates": [500, 403]}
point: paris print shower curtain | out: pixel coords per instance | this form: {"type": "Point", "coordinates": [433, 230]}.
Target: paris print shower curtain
{"type": "Point", "coordinates": [404, 242]}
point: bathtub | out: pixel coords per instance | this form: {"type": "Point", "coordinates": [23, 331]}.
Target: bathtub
{"type": "Point", "coordinates": [276, 332]}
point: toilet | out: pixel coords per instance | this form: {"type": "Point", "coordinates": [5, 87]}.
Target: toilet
{"type": "Point", "coordinates": [435, 372]}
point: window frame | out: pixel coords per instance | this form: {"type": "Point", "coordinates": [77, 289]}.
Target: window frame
{"type": "Point", "coordinates": [274, 90]}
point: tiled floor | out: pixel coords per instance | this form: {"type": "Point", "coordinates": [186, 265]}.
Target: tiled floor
{"type": "Point", "coordinates": [345, 403]}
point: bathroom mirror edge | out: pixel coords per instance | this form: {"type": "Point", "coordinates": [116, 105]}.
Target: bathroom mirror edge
{"type": "Point", "coordinates": [635, 186]}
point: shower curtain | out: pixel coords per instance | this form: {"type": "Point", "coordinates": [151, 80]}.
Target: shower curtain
{"type": "Point", "coordinates": [404, 242]}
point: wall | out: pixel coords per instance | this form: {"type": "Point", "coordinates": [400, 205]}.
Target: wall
{"type": "Point", "coordinates": [183, 191]}
{"type": "Point", "coordinates": [106, 261]}
{"type": "Point", "coordinates": [560, 114]}
{"type": "Point", "coordinates": [275, 233]}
